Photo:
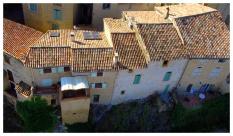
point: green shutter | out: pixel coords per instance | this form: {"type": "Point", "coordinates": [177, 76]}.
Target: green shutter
{"type": "Point", "coordinates": [166, 88]}
{"type": "Point", "coordinates": [167, 76]}
{"type": "Point", "coordinates": [60, 69]}
{"type": "Point", "coordinates": [57, 14]}
{"type": "Point", "coordinates": [137, 79]}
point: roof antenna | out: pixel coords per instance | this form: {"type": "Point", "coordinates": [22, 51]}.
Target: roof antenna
{"type": "Point", "coordinates": [167, 15]}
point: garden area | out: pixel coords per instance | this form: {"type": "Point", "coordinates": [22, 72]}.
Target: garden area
{"type": "Point", "coordinates": [147, 116]}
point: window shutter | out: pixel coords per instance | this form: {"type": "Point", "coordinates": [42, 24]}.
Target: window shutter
{"type": "Point", "coordinates": [167, 76]}
{"type": "Point", "coordinates": [54, 70]}
{"type": "Point", "coordinates": [93, 74]}
{"type": "Point", "coordinates": [41, 71]}
{"type": "Point", "coordinates": [104, 85]}
{"type": "Point", "coordinates": [92, 85]}
{"type": "Point", "coordinates": [60, 69]}
{"type": "Point", "coordinates": [137, 79]}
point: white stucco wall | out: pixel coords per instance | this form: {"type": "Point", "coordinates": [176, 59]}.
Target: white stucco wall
{"type": "Point", "coordinates": [151, 80]}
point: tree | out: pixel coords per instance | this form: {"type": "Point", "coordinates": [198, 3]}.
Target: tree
{"type": "Point", "coordinates": [37, 115]}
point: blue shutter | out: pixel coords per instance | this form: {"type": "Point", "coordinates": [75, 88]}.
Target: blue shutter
{"type": "Point", "coordinates": [167, 76]}
{"type": "Point", "coordinates": [137, 79]}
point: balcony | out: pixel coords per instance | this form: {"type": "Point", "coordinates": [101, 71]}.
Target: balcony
{"type": "Point", "coordinates": [74, 87]}
{"type": "Point", "coordinates": [46, 90]}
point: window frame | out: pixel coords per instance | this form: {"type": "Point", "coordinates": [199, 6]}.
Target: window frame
{"type": "Point", "coordinates": [67, 69]}
{"type": "Point", "coordinates": [165, 63]}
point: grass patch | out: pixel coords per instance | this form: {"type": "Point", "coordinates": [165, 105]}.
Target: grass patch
{"type": "Point", "coordinates": [214, 115]}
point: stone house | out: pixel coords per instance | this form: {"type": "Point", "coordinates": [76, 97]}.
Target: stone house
{"type": "Point", "coordinates": [142, 53]}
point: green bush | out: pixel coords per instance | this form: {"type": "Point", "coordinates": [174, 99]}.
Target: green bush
{"type": "Point", "coordinates": [37, 115]}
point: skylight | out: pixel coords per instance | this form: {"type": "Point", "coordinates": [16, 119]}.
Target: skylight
{"type": "Point", "coordinates": [91, 35]}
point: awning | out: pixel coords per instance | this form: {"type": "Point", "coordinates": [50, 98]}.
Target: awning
{"type": "Point", "coordinates": [73, 83]}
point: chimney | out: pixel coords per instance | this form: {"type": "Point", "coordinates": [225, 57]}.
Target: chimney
{"type": "Point", "coordinates": [72, 36]}
{"type": "Point", "coordinates": [167, 15]}
{"type": "Point", "coordinates": [75, 27]}
{"type": "Point", "coordinates": [115, 58]}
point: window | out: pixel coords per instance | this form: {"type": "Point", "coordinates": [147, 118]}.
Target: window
{"type": "Point", "coordinates": [55, 26]}
{"type": "Point", "coordinates": [47, 70]}
{"type": "Point", "coordinates": [221, 60]}
{"type": "Point", "coordinates": [197, 71]}
{"type": "Point", "coordinates": [167, 76]}
{"type": "Point", "coordinates": [66, 69]}
{"type": "Point", "coordinates": [228, 79]}
{"type": "Point", "coordinates": [106, 6]}
{"type": "Point", "coordinates": [215, 72]}
{"type": "Point", "coordinates": [165, 63]}
{"type": "Point", "coordinates": [130, 70]}
{"type": "Point", "coordinates": [10, 75]}
{"type": "Point", "coordinates": [57, 14]}
{"type": "Point", "coordinates": [122, 92]}
{"type": "Point", "coordinates": [53, 101]}
{"type": "Point", "coordinates": [95, 74]}
{"type": "Point", "coordinates": [7, 59]}
{"type": "Point", "coordinates": [98, 85]}
{"type": "Point", "coordinates": [99, 73]}
{"type": "Point", "coordinates": [96, 98]}
{"type": "Point", "coordinates": [137, 79]}
{"type": "Point", "coordinates": [188, 89]}
{"type": "Point", "coordinates": [32, 7]}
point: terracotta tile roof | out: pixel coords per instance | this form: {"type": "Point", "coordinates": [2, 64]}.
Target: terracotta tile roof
{"type": "Point", "coordinates": [130, 54]}
{"type": "Point", "coordinates": [184, 10]}
{"type": "Point", "coordinates": [23, 88]}
{"type": "Point", "coordinates": [64, 40]}
{"type": "Point", "coordinates": [117, 25]}
{"type": "Point", "coordinates": [146, 17]}
{"type": "Point", "coordinates": [90, 59]}
{"type": "Point", "coordinates": [17, 38]}
{"type": "Point", "coordinates": [162, 41]}
{"type": "Point", "coordinates": [40, 57]}
{"type": "Point", "coordinates": [206, 36]}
